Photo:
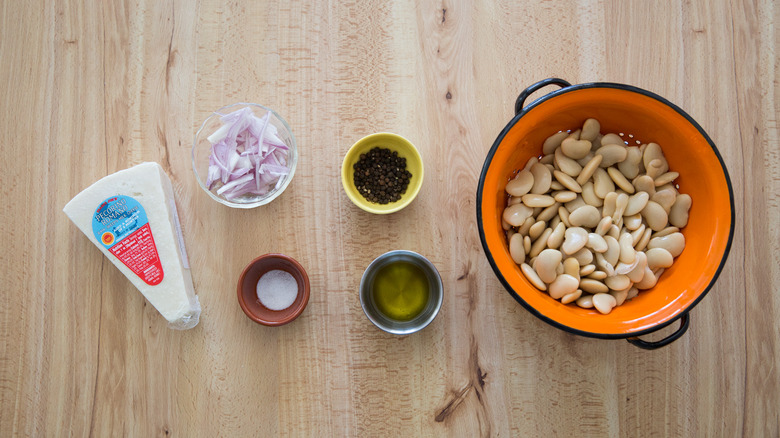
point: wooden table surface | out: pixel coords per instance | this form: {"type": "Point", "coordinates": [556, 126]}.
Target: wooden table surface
{"type": "Point", "coordinates": [89, 88]}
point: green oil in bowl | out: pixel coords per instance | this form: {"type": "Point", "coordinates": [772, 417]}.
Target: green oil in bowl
{"type": "Point", "coordinates": [400, 291]}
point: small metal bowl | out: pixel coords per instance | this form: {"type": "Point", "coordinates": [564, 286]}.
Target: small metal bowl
{"type": "Point", "coordinates": [435, 291]}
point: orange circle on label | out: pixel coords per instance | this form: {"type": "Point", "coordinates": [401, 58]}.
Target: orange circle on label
{"type": "Point", "coordinates": [107, 238]}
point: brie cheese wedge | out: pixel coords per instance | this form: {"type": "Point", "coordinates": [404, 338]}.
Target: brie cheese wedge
{"type": "Point", "coordinates": [131, 217]}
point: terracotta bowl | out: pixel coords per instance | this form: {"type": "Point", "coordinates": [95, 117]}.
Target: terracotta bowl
{"type": "Point", "coordinates": [689, 151]}
{"type": "Point", "coordinates": [247, 290]}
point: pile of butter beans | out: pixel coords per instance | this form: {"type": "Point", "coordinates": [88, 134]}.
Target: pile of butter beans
{"type": "Point", "coordinates": [594, 220]}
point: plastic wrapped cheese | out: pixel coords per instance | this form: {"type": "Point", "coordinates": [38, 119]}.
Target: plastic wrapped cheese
{"type": "Point", "coordinates": [131, 217]}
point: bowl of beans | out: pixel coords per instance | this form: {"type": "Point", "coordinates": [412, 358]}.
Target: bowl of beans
{"type": "Point", "coordinates": [382, 173]}
{"type": "Point", "coordinates": [605, 210]}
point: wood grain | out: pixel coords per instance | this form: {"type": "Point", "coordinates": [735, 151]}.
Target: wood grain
{"type": "Point", "coordinates": [89, 89]}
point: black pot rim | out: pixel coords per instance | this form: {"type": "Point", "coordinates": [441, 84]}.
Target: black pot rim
{"type": "Point", "coordinates": [505, 283]}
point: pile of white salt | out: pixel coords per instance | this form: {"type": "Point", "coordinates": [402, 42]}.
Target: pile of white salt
{"type": "Point", "coordinates": [277, 289]}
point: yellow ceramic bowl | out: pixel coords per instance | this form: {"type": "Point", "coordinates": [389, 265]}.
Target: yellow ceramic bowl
{"type": "Point", "coordinates": [395, 143]}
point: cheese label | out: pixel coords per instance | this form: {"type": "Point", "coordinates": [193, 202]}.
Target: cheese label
{"type": "Point", "coordinates": [121, 226]}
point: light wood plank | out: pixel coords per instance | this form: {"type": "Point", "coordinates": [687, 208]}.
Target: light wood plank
{"type": "Point", "coordinates": [89, 89]}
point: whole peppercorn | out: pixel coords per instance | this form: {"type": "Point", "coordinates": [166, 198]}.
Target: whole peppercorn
{"type": "Point", "coordinates": [381, 175]}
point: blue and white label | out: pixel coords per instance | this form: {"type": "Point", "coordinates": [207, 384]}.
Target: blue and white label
{"type": "Point", "coordinates": [116, 218]}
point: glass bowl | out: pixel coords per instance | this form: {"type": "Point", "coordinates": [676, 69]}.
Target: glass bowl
{"type": "Point", "coordinates": [201, 151]}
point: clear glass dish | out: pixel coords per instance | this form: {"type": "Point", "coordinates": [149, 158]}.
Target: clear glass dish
{"type": "Point", "coordinates": [201, 150]}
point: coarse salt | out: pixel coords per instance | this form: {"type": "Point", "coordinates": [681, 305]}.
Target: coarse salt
{"type": "Point", "coordinates": [277, 289]}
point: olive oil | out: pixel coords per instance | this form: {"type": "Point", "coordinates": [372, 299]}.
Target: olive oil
{"type": "Point", "coordinates": [400, 291]}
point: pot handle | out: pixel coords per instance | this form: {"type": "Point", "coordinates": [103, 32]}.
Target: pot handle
{"type": "Point", "coordinates": [520, 102]}
{"type": "Point", "coordinates": [684, 323]}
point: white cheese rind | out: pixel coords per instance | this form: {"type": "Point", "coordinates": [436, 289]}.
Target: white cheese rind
{"type": "Point", "coordinates": [148, 184]}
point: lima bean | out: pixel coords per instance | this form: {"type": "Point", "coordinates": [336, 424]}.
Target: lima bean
{"type": "Point", "coordinates": [516, 250]}
{"type": "Point", "coordinates": [612, 154]}
{"type": "Point", "coordinates": [612, 138]}
{"type": "Point", "coordinates": [520, 184]}
{"type": "Point", "coordinates": [619, 295]}
{"type": "Point", "coordinates": [526, 226]}
{"type": "Point", "coordinates": [655, 216]}
{"type": "Point", "coordinates": [674, 243]}
{"type": "Point", "coordinates": [636, 203]}
{"type": "Point", "coordinates": [567, 181]}
{"type": "Point", "coordinates": [530, 274]}
{"type": "Point", "coordinates": [604, 302]}
{"type": "Point", "coordinates": [563, 285]}
{"type": "Point", "coordinates": [593, 286]}
{"type": "Point", "coordinates": [574, 240]}
{"type": "Point", "coordinates": [542, 178]}
{"type": "Point", "coordinates": [516, 214]}
{"type": "Point", "coordinates": [589, 169]}
{"type": "Point", "coordinates": [621, 181]}
{"type": "Point", "coordinates": [604, 225]}
{"type": "Point", "coordinates": [666, 178]}
{"type": "Point", "coordinates": [536, 230]}
{"type": "Point", "coordinates": [659, 258]}
{"type": "Point", "coordinates": [586, 301]}
{"type": "Point", "coordinates": [555, 185]}
{"type": "Point", "coordinates": [585, 216]}
{"type": "Point", "coordinates": [548, 212]}
{"type": "Point", "coordinates": [540, 243]}
{"type": "Point", "coordinates": [556, 237]}
{"type": "Point", "coordinates": [571, 297]}
{"type": "Point", "coordinates": [630, 166]}
{"type": "Point", "coordinates": [572, 267]}
{"type": "Point", "coordinates": [642, 244]}
{"type": "Point", "coordinates": [632, 222]}
{"type": "Point", "coordinates": [575, 149]}
{"type": "Point", "coordinates": [597, 275]}
{"type": "Point", "coordinates": [653, 152]}
{"type": "Point", "coordinates": [590, 129]}
{"type": "Point", "coordinates": [553, 142]}
{"type": "Point", "coordinates": [678, 215]}
{"type": "Point", "coordinates": [602, 183]}
{"type": "Point", "coordinates": [644, 183]}
{"type": "Point", "coordinates": [564, 196]}
{"type": "Point", "coordinates": [589, 195]}
{"type": "Point", "coordinates": [534, 200]}
{"type": "Point", "coordinates": [546, 264]}
{"type": "Point", "coordinates": [566, 164]}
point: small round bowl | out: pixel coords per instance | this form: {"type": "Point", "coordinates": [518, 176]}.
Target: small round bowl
{"type": "Point", "coordinates": [247, 290]}
{"type": "Point", "coordinates": [435, 293]}
{"type": "Point", "coordinates": [395, 143]}
{"type": "Point", "coordinates": [201, 150]}
{"type": "Point", "coordinates": [688, 149]}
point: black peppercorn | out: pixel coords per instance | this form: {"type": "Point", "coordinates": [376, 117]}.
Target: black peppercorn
{"type": "Point", "coordinates": [381, 176]}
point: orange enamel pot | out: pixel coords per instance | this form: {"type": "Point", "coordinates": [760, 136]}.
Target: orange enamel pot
{"type": "Point", "coordinates": [688, 149]}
